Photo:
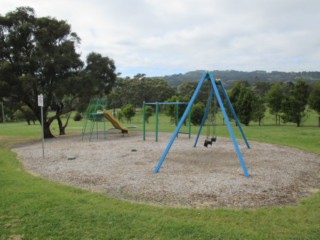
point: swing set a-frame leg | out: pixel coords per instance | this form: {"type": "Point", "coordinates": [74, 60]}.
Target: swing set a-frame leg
{"type": "Point", "coordinates": [235, 143]}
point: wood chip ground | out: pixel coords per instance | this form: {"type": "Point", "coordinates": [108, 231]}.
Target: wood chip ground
{"type": "Point", "coordinates": [122, 167]}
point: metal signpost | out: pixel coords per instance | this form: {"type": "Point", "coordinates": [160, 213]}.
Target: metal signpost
{"type": "Point", "coordinates": [40, 104]}
{"type": "Point", "coordinates": [2, 112]}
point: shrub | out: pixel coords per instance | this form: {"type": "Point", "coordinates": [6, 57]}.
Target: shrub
{"type": "Point", "coordinates": [149, 113]}
{"type": "Point", "coordinates": [77, 117]}
{"type": "Point", "coordinates": [128, 111]}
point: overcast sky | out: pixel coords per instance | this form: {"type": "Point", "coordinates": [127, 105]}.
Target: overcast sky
{"type": "Point", "coordinates": [163, 37]}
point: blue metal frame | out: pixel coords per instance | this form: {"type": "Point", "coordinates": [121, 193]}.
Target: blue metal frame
{"type": "Point", "coordinates": [210, 77]}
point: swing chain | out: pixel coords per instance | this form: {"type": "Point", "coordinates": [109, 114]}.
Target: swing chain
{"type": "Point", "coordinates": [211, 121]}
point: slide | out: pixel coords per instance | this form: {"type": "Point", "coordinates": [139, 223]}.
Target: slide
{"type": "Point", "coordinates": [115, 122]}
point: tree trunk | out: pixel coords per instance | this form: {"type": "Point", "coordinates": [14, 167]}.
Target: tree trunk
{"type": "Point", "coordinates": [62, 128]}
{"type": "Point", "coordinates": [279, 120]}
{"type": "Point", "coordinates": [319, 121]}
{"type": "Point", "coordinates": [46, 130]}
{"type": "Point", "coordinates": [298, 122]}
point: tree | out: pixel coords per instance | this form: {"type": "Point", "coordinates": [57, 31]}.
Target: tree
{"type": "Point", "coordinates": [259, 110]}
{"type": "Point", "coordinates": [294, 105]}
{"type": "Point", "coordinates": [244, 106]}
{"type": "Point", "coordinates": [36, 56]}
{"type": "Point", "coordinates": [314, 100]}
{"type": "Point", "coordinates": [148, 113]}
{"type": "Point", "coordinates": [128, 112]}
{"type": "Point", "coordinates": [243, 100]}
{"type": "Point", "coordinates": [186, 89]}
{"type": "Point", "coordinates": [118, 97]}
{"type": "Point", "coordinates": [261, 89]}
{"type": "Point", "coordinates": [275, 97]}
{"type": "Point", "coordinates": [172, 110]}
{"type": "Point", "coordinates": [235, 91]}
{"type": "Point", "coordinates": [139, 89]}
{"type": "Point", "coordinates": [95, 80]}
{"type": "Point", "coordinates": [25, 113]}
{"type": "Point", "coordinates": [197, 112]}
{"type": "Point", "coordinates": [99, 75]}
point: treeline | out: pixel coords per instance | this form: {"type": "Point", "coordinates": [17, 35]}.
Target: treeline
{"type": "Point", "coordinates": [232, 76]}
{"type": "Point", "coordinates": [288, 102]}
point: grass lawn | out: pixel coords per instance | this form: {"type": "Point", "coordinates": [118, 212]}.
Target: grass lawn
{"type": "Point", "coordinates": [35, 208]}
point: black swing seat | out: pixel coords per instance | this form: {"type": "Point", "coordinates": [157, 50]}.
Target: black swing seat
{"type": "Point", "coordinates": [207, 142]}
{"type": "Point", "coordinates": [210, 141]}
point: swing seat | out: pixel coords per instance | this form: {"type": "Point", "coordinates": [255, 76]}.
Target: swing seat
{"type": "Point", "coordinates": [213, 139]}
{"type": "Point", "coordinates": [207, 142]}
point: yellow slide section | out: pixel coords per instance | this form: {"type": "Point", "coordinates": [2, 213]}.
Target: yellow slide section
{"type": "Point", "coordinates": [115, 123]}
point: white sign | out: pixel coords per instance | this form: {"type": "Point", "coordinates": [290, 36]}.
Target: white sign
{"type": "Point", "coordinates": [40, 100]}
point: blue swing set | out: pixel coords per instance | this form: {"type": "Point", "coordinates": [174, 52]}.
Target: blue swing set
{"type": "Point", "coordinates": [214, 92]}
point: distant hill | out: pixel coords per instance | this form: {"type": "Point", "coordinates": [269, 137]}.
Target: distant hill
{"type": "Point", "coordinates": [230, 76]}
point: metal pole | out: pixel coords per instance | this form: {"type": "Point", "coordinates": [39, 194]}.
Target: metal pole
{"type": "Point", "coordinates": [104, 128]}
{"type": "Point", "coordinates": [144, 120]}
{"type": "Point", "coordinates": [157, 121]}
{"type": "Point", "coordinates": [2, 112]}
{"type": "Point", "coordinates": [189, 119]}
{"type": "Point", "coordinates": [42, 132]}
{"type": "Point", "coordinates": [177, 116]}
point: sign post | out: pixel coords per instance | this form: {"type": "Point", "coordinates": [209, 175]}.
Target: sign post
{"type": "Point", "coordinates": [2, 109]}
{"type": "Point", "coordinates": [40, 104]}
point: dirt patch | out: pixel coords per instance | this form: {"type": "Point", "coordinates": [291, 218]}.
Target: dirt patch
{"type": "Point", "coordinates": [122, 166]}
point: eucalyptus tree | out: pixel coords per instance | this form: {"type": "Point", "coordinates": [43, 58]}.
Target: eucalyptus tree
{"type": "Point", "coordinates": [36, 56]}
{"type": "Point", "coordinates": [275, 97]}
{"type": "Point", "coordinates": [96, 79]}
{"type": "Point", "coordinates": [314, 100]}
{"type": "Point", "coordinates": [244, 102]}
{"type": "Point", "coordinates": [294, 104]}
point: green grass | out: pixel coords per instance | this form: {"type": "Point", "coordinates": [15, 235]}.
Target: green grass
{"type": "Point", "coordinates": [35, 208]}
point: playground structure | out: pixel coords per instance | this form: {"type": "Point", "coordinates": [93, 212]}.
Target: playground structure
{"type": "Point", "coordinates": [95, 113]}
{"type": "Point", "coordinates": [214, 92]}
{"type": "Point", "coordinates": [157, 104]}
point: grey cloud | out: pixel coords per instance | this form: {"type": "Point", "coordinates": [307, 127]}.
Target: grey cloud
{"type": "Point", "coordinates": [163, 35]}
